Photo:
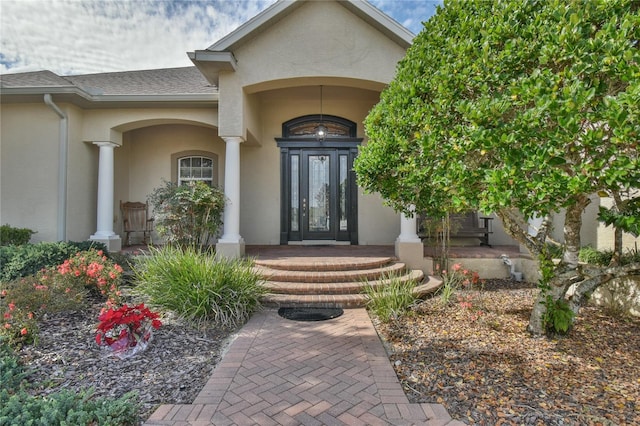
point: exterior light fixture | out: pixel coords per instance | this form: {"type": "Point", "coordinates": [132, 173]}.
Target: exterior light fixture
{"type": "Point", "coordinates": [321, 130]}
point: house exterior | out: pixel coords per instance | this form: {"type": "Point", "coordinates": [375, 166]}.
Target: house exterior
{"type": "Point", "coordinates": [244, 117]}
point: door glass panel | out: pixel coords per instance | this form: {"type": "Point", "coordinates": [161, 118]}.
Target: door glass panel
{"type": "Point", "coordinates": [319, 193]}
{"type": "Point", "coordinates": [295, 193]}
{"type": "Point", "coordinates": [342, 192]}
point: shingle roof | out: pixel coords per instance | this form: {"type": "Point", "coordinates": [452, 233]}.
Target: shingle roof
{"type": "Point", "coordinates": [33, 79]}
{"type": "Point", "coordinates": [168, 81]}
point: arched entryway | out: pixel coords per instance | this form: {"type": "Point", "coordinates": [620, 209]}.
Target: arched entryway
{"type": "Point", "coordinates": [318, 186]}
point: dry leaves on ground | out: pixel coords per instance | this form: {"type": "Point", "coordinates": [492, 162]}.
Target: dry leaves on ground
{"type": "Point", "coordinates": [484, 367]}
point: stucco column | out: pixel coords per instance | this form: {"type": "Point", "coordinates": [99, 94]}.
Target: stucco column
{"type": "Point", "coordinates": [408, 247]}
{"type": "Point", "coordinates": [104, 232]}
{"type": "Point", "coordinates": [231, 244]}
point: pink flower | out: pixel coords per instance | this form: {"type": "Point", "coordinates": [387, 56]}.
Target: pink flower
{"type": "Point", "coordinates": [457, 267]}
{"type": "Point", "coordinates": [7, 326]}
{"type": "Point", "coordinates": [12, 306]}
{"type": "Point", "coordinates": [24, 332]}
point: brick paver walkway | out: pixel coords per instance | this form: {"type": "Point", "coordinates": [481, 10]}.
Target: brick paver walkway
{"type": "Point", "coordinates": [282, 372]}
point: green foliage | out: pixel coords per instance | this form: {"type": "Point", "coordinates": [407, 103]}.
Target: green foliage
{"type": "Point", "coordinates": [389, 301]}
{"type": "Point", "coordinates": [21, 261]}
{"type": "Point", "coordinates": [188, 215]}
{"type": "Point", "coordinates": [455, 279]}
{"type": "Point", "coordinates": [603, 257]}
{"type": "Point", "coordinates": [17, 407]}
{"type": "Point", "coordinates": [197, 286]}
{"type": "Point", "coordinates": [628, 219]}
{"type": "Point", "coordinates": [12, 373]}
{"type": "Point", "coordinates": [558, 316]}
{"type": "Point", "coordinates": [14, 236]}
{"type": "Point", "coordinates": [513, 104]}
{"type": "Point", "coordinates": [595, 257]}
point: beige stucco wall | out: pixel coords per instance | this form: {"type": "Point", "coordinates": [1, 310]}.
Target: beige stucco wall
{"type": "Point", "coordinates": [82, 181]}
{"type": "Point", "coordinates": [29, 158]}
{"type": "Point", "coordinates": [320, 39]}
{"type": "Point", "coordinates": [29, 168]}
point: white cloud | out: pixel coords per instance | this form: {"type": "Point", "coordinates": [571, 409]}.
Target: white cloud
{"type": "Point", "coordinates": [87, 36]}
{"type": "Point", "coordinates": [90, 36]}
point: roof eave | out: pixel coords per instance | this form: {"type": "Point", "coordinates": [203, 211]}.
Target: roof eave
{"type": "Point", "coordinates": [385, 24]}
{"type": "Point", "coordinates": [85, 100]}
{"type": "Point", "coordinates": [274, 13]}
{"type": "Point", "coordinates": [211, 64]}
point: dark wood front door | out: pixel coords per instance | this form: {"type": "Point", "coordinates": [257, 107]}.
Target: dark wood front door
{"type": "Point", "coordinates": [319, 193]}
{"type": "Point", "coordinates": [319, 197]}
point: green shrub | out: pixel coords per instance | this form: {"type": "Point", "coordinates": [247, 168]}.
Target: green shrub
{"type": "Point", "coordinates": [17, 407]}
{"type": "Point", "coordinates": [391, 300]}
{"type": "Point", "coordinates": [188, 215]}
{"type": "Point", "coordinates": [558, 316]}
{"type": "Point", "coordinates": [12, 373]}
{"type": "Point", "coordinates": [25, 260]}
{"type": "Point", "coordinates": [197, 286]}
{"type": "Point", "coordinates": [595, 257]}
{"type": "Point", "coordinates": [14, 236]}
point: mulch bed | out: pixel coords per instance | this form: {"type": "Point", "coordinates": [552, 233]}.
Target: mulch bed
{"type": "Point", "coordinates": [485, 368]}
{"type": "Point", "coordinates": [173, 370]}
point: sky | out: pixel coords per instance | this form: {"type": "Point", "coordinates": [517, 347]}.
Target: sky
{"type": "Point", "coordinates": [73, 37]}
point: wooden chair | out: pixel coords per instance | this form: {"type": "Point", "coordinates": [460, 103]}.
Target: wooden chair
{"type": "Point", "coordinates": [135, 218]}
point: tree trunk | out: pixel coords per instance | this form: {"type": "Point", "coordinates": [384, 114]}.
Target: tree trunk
{"type": "Point", "coordinates": [556, 287]}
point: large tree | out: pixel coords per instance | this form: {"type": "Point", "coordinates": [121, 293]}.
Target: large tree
{"type": "Point", "coordinates": [522, 108]}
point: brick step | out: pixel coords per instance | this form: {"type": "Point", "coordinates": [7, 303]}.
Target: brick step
{"type": "Point", "coordinates": [344, 301]}
{"type": "Point", "coordinates": [329, 276]}
{"type": "Point", "coordinates": [319, 264]}
{"type": "Point", "coordinates": [351, 287]}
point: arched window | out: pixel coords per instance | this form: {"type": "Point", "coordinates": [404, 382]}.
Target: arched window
{"type": "Point", "coordinates": [195, 166]}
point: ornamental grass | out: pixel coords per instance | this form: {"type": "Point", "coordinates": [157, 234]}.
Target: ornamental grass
{"type": "Point", "coordinates": [197, 286]}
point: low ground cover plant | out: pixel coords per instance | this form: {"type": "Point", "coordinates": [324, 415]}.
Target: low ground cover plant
{"type": "Point", "coordinates": [18, 407]}
{"type": "Point", "coordinates": [197, 286]}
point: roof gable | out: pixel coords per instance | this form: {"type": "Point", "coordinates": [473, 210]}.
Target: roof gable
{"type": "Point", "coordinates": [282, 8]}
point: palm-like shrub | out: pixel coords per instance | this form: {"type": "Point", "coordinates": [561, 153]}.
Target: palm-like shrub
{"type": "Point", "coordinates": [197, 286]}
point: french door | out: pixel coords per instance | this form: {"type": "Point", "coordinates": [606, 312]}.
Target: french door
{"type": "Point", "coordinates": [319, 195]}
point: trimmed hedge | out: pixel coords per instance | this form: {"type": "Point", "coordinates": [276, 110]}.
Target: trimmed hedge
{"type": "Point", "coordinates": [14, 236]}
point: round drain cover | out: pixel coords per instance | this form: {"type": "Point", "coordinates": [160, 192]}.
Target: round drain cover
{"type": "Point", "coordinates": [310, 314]}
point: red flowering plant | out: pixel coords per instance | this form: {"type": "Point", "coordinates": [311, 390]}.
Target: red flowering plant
{"type": "Point", "coordinates": [127, 330]}
{"type": "Point", "coordinates": [96, 272]}
{"type": "Point", "coordinates": [456, 279]}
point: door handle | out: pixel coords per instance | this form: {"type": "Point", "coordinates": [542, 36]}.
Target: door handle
{"type": "Point", "coordinates": [304, 207]}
